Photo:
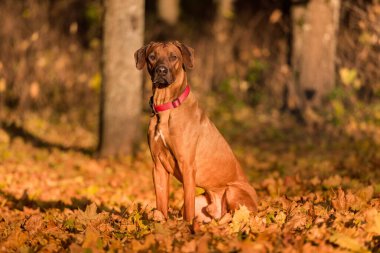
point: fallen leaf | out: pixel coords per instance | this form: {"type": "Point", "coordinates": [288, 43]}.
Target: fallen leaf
{"type": "Point", "coordinates": [91, 238]}
{"type": "Point", "coordinates": [189, 246]}
{"type": "Point", "coordinates": [366, 193]}
{"type": "Point", "coordinates": [239, 219]}
{"type": "Point", "coordinates": [90, 212]}
{"type": "Point", "coordinates": [333, 181]}
{"type": "Point", "coordinates": [225, 219]}
{"type": "Point", "coordinates": [372, 217]}
{"type": "Point", "coordinates": [339, 202]}
{"type": "Point", "coordinates": [347, 242]}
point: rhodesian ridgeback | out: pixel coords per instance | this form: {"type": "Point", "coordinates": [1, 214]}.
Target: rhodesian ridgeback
{"type": "Point", "coordinates": [185, 143]}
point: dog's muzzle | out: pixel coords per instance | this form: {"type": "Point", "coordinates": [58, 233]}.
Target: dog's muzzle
{"type": "Point", "coordinates": [161, 76]}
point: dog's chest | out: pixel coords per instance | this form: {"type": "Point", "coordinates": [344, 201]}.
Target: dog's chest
{"type": "Point", "coordinates": [160, 136]}
{"type": "Point", "coordinates": [160, 144]}
{"type": "Point", "coordinates": [159, 133]}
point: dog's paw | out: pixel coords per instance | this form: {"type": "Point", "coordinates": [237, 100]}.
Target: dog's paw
{"type": "Point", "coordinates": [158, 216]}
{"type": "Point", "coordinates": [211, 210]}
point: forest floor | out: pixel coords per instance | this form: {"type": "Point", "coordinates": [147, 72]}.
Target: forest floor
{"type": "Point", "coordinates": [318, 191]}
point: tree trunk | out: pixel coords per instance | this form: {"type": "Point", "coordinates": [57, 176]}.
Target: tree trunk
{"type": "Point", "coordinates": [168, 11]}
{"type": "Point", "coordinates": [315, 28]}
{"type": "Point", "coordinates": [122, 84]}
{"type": "Point", "coordinates": [223, 54]}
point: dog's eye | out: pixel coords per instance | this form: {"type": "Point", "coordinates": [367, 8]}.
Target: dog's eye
{"type": "Point", "coordinates": [173, 58]}
{"type": "Point", "coordinates": [152, 57]}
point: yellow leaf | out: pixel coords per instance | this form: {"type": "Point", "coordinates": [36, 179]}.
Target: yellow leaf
{"type": "Point", "coordinates": [338, 108]}
{"type": "Point", "coordinates": [347, 242]}
{"type": "Point", "coordinates": [366, 38]}
{"type": "Point", "coordinates": [373, 221]}
{"type": "Point", "coordinates": [280, 218]}
{"type": "Point", "coordinates": [95, 82]}
{"type": "Point", "coordinates": [240, 219]}
{"type": "Point", "coordinates": [348, 76]}
{"type": "Point", "coordinates": [199, 191]}
{"type": "Point", "coordinates": [92, 190]}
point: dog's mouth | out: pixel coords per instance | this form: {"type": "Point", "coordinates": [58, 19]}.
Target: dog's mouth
{"type": "Point", "coordinates": [160, 82]}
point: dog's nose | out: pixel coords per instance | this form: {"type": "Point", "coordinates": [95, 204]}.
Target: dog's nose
{"type": "Point", "coordinates": [161, 70]}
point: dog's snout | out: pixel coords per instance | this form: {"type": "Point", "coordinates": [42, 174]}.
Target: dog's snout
{"type": "Point", "coordinates": [161, 70]}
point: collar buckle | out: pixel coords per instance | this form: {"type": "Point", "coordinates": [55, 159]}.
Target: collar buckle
{"type": "Point", "coordinates": [176, 102]}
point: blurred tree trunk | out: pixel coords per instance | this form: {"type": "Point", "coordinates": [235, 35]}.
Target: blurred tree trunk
{"type": "Point", "coordinates": [315, 26]}
{"type": "Point", "coordinates": [223, 48]}
{"type": "Point", "coordinates": [168, 11]}
{"type": "Point", "coordinates": [122, 84]}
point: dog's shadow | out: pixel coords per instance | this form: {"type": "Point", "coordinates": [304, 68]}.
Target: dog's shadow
{"type": "Point", "coordinates": [14, 131]}
{"type": "Point", "coordinates": [15, 203]}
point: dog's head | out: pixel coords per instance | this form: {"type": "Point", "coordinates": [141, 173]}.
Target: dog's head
{"type": "Point", "coordinates": [164, 60]}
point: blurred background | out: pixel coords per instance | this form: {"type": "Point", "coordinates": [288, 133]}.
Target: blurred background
{"type": "Point", "coordinates": [264, 70]}
{"type": "Point", "coordinates": [293, 86]}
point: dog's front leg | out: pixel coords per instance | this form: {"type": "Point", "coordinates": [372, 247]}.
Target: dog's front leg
{"type": "Point", "coordinates": [189, 191]}
{"type": "Point", "coordinates": [161, 187]}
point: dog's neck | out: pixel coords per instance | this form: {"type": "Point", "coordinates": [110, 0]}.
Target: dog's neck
{"type": "Point", "coordinates": [171, 92]}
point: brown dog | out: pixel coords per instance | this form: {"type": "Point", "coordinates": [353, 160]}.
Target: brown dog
{"type": "Point", "coordinates": [185, 143]}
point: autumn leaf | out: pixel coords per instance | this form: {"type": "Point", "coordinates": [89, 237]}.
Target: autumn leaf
{"type": "Point", "coordinates": [239, 219]}
{"type": "Point", "coordinates": [304, 204]}
{"type": "Point", "coordinates": [90, 212]}
{"type": "Point", "coordinates": [348, 76]}
{"type": "Point", "coordinates": [347, 242]}
{"type": "Point", "coordinates": [34, 224]}
{"type": "Point", "coordinates": [92, 238]}
{"type": "Point", "coordinates": [332, 181]}
{"type": "Point", "coordinates": [372, 217]}
{"type": "Point", "coordinates": [143, 245]}
{"type": "Point", "coordinates": [296, 222]}
{"type": "Point", "coordinates": [189, 247]}
{"type": "Point", "coordinates": [280, 218]}
{"type": "Point", "coordinates": [339, 202]}
{"type": "Point", "coordinates": [225, 219]}
{"type": "Point", "coordinates": [366, 194]}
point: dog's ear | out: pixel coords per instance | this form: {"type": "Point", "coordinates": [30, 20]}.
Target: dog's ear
{"type": "Point", "coordinates": [187, 54]}
{"type": "Point", "coordinates": [140, 58]}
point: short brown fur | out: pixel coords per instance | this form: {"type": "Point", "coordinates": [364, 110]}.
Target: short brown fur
{"type": "Point", "coordinates": [185, 143]}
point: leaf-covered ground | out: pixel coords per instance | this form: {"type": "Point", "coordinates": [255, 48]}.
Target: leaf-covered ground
{"type": "Point", "coordinates": [318, 193]}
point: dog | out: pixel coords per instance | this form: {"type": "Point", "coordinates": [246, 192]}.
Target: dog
{"type": "Point", "coordinates": [185, 143]}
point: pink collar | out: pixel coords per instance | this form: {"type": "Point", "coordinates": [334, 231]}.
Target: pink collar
{"type": "Point", "coordinates": [170, 105]}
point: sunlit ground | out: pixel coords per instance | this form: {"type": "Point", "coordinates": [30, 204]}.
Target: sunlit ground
{"type": "Point", "coordinates": [318, 189]}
